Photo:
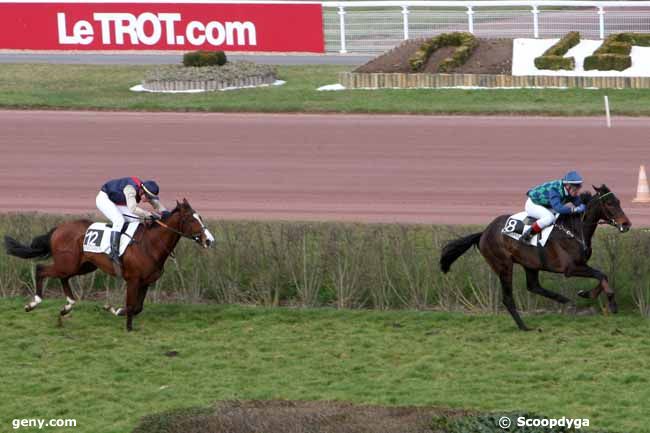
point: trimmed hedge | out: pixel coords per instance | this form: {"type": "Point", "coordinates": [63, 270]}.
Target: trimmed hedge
{"type": "Point", "coordinates": [554, 59]}
{"type": "Point", "coordinates": [204, 58]}
{"type": "Point", "coordinates": [614, 53]}
{"type": "Point", "coordinates": [465, 42]}
{"type": "Point", "coordinates": [607, 62]}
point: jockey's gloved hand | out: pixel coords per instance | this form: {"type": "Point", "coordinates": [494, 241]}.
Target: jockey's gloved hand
{"type": "Point", "coordinates": [164, 214]}
{"type": "Point", "coordinates": [153, 217]}
{"type": "Point", "coordinates": [580, 208]}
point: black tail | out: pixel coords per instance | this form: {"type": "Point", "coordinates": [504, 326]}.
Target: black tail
{"type": "Point", "coordinates": [457, 248]}
{"type": "Point", "coordinates": [40, 247]}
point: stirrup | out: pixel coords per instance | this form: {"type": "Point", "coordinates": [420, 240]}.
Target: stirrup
{"type": "Point", "coordinates": [527, 236]}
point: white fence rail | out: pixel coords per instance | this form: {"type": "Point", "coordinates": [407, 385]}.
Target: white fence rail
{"type": "Point", "coordinates": [375, 26]}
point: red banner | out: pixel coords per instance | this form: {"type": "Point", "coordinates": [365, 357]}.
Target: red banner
{"type": "Point", "coordinates": [162, 26]}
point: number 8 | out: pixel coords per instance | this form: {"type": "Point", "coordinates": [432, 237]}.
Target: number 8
{"type": "Point", "coordinates": [510, 226]}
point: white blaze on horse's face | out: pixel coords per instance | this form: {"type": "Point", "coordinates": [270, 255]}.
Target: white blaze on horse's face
{"type": "Point", "coordinates": [207, 239]}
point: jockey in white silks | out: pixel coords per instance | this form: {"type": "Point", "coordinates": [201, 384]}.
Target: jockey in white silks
{"type": "Point", "coordinates": [560, 196]}
{"type": "Point", "coordinates": [118, 200]}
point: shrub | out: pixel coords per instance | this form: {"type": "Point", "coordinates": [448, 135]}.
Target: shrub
{"type": "Point", "coordinates": [607, 62]}
{"type": "Point", "coordinates": [466, 43]}
{"type": "Point", "coordinates": [614, 53]}
{"type": "Point", "coordinates": [204, 58]}
{"type": "Point", "coordinates": [555, 63]}
{"type": "Point", "coordinates": [640, 39]}
{"type": "Point", "coordinates": [554, 59]}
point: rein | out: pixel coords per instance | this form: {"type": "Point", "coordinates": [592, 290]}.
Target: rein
{"type": "Point", "coordinates": [193, 236]}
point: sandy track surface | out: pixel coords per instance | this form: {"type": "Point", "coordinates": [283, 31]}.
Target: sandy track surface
{"type": "Point", "coordinates": [305, 167]}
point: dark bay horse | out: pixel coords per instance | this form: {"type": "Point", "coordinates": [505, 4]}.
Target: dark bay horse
{"type": "Point", "coordinates": [567, 251]}
{"type": "Point", "coordinates": [142, 263]}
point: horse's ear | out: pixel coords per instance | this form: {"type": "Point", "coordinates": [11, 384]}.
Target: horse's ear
{"type": "Point", "coordinates": [178, 204]}
{"type": "Point", "coordinates": [595, 187]}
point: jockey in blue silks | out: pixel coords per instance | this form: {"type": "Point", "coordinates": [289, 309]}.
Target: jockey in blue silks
{"type": "Point", "coordinates": [118, 200]}
{"type": "Point", "coordinates": [560, 196]}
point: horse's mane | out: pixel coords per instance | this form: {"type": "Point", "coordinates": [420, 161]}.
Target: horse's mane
{"type": "Point", "coordinates": [586, 197]}
{"type": "Point", "coordinates": [172, 212]}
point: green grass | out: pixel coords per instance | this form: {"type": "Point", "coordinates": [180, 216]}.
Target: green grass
{"type": "Point", "coordinates": [106, 88]}
{"type": "Point", "coordinates": [92, 370]}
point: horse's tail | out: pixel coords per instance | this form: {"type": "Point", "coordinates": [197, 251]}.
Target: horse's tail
{"type": "Point", "coordinates": [457, 248]}
{"type": "Point", "coordinates": [40, 247]}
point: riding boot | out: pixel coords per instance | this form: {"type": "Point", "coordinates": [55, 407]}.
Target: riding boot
{"type": "Point", "coordinates": [527, 235]}
{"type": "Point", "coordinates": [531, 231]}
{"type": "Point", "coordinates": [115, 252]}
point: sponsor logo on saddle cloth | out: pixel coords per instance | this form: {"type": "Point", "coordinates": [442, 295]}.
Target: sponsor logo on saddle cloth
{"type": "Point", "coordinates": [98, 237]}
{"type": "Point", "coordinates": [519, 222]}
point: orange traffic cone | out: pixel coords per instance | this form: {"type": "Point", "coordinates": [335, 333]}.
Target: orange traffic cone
{"type": "Point", "coordinates": [642, 191]}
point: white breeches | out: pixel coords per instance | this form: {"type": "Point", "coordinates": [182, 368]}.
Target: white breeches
{"type": "Point", "coordinates": [545, 217]}
{"type": "Point", "coordinates": [118, 215]}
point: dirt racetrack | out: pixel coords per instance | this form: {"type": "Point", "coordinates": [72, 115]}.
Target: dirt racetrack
{"type": "Point", "coordinates": [336, 167]}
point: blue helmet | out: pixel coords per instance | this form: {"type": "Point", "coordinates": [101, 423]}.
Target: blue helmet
{"type": "Point", "coordinates": [151, 189]}
{"type": "Point", "coordinates": [573, 178]}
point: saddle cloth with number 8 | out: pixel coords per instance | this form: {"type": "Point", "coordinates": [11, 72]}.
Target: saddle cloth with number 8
{"type": "Point", "coordinates": [519, 222]}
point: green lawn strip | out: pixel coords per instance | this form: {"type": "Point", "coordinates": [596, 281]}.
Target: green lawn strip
{"type": "Point", "coordinates": [92, 370]}
{"type": "Point", "coordinates": [96, 87]}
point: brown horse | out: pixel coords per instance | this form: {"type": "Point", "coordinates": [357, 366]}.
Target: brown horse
{"type": "Point", "coordinates": [567, 251]}
{"type": "Point", "coordinates": [142, 263]}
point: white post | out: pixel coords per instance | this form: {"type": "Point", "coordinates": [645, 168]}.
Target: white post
{"type": "Point", "coordinates": [470, 19]}
{"type": "Point", "coordinates": [601, 21]}
{"type": "Point", "coordinates": [607, 116]}
{"type": "Point", "coordinates": [342, 29]}
{"type": "Point", "coordinates": [535, 12]}
{"type": "Point", "coordinates": [405, 20]}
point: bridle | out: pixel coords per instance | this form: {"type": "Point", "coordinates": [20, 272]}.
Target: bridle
{"type": "Point", "coordinates": [609, 219]}
{"type": "Point", "coordinates": [196, 237]}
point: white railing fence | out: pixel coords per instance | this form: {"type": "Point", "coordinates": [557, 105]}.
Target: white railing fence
{"type": "Point", "coordinates": [376, 26]}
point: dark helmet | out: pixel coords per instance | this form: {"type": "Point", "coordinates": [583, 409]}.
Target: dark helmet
{"type": "Point", "coordinates": [151, 189]}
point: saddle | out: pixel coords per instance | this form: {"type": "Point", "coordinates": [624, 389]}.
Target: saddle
{"type": "Point", "coordinates": [98, 237]}
{"type": "Point", "coordinates": [518, 223]}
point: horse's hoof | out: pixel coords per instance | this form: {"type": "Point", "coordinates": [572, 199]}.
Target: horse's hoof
{"type": "Point", "coordinates": [64, 312]}
{"type": "Point", "coordinates": [586, 294]}
{"type": "Point", "coordinates": [28, 308]}
{"type": "Point", "coordinates": [106, 307]}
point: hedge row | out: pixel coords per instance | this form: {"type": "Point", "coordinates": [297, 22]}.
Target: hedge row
{"type": "Point", "coordinates": [554, 59]}
{"type": "Point", "coordinates": [465, 42]}
{"type": "Point", "coordinates": [614, 53]}
{"type": "Point", "coordinates": [204, 58]}
{"type": "Point", "coordinates": [343, 265]}
{"type": "Point", "coordinates": [249, 417]}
